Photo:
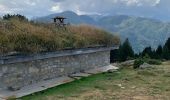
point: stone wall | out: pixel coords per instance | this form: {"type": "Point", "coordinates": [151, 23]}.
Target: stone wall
{"type": "Point", "coordinates": [20, 71]}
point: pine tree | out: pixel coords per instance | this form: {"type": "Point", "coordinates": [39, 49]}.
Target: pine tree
{"type": "Point", "coordinates": [159, 51]}
{"type": "Point", "coordinates": [166, 50]}
{"type": "Point", "coordinates": [147, 51]}
{"type": "Point", "coordinates": [167, 44]}
{"type": "Point", "coordinates": [165, 53]}
{"type": "Point", "coordinates": [125, 51]}
{"type": "Point", "coordinates": [154, 55]}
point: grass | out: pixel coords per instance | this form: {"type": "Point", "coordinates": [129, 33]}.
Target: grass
{"type": "Point", "coordinates": [127, 84]}
{"type": "Point", "coordinates": [29, 37]}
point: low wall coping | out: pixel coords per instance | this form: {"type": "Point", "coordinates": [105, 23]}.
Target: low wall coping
{"type": "Point", "coordinates": [17, 59]}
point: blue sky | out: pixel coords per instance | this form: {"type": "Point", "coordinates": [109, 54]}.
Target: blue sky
{"type": "Point", "coordinates": [159, 9]}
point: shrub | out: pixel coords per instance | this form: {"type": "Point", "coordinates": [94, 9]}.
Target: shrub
{"type": "Point", "coordinates": [18, 16]}
{"type": "Point", "coordinates": [137, 63]}
{"type": "Point", "coordinates": [154, 62]}
{"type": "Point", "coordinates": [140, 61]}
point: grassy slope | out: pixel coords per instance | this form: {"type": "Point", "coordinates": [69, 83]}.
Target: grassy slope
{"type": "Point", "coordinates": [27, 37]}
{"type": "Point", "coordinates": [150, 84]}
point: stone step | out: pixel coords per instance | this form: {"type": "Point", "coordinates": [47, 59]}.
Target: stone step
{"type": "Point", "coordinates": [102, 69]}
{"type": "Point", "coordinates": [80, 75]}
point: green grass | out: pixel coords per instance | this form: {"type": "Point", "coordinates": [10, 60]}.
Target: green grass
{"type": "Point", "coordinates": [78, 86]}
{"type": "Point", "coordinates": [147, 84]}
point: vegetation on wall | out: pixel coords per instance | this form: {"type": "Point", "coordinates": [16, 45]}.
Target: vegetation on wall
{"type": "Point", "coordinates": [20, 17]}
{"type": "Point", "coordinates": [29, 37]}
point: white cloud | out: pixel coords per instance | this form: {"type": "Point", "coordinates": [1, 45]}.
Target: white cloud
{"type": "Point", "coordinates": [56, 8]}
{"type": "Point", "coordinates": [29, 2]}
{"type": "Point", "coordinates": [137, 2]}
{"type": "Point", "coordinates": [4, 9]}
{"type": "Point", "coordinates": [45, 7]}
{"type": "Point", "coordinates": [27, 7]}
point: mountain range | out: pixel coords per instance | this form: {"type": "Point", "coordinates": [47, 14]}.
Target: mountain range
{"type": "Point", "coordinates": [141, 32]}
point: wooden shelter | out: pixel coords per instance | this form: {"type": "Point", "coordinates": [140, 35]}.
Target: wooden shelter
{"type": "Point", "coordinates": [59, 21]}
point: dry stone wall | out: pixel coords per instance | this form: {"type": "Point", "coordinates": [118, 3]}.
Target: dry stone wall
{"type": "Point", "coordinates": [17, 72]}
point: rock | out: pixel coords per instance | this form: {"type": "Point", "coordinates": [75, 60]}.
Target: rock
{"type": "Point", "coordinates": [127, 63]}
{"type": "Point", "coordinates": [145, 65]}
{"type": "Point", "coordinates": [115, 64]}
{"type": "Point", "coordinates": [112, 70]}
{"type": "Point", "coordinates": [120, 85]}
{"type": "Point", "coordinates": [133, 87]}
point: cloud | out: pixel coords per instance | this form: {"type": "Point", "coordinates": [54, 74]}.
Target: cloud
{"type": "Point", "coordinates": [58, 0]}
{"type": "Point", "coordinates": [140, 2]}
{"type": "Point", "coordinates": [56, 8]}
{"type": "Point", "coordinates": [26, 7]}
{"type": "Point", "coordinates": [31, 3]}
{"type": "Point", "coordinates": [104, 6]}
{"type": "Point", "coordinates": [4, 9]}
{"type": "Point", "coordinates": [147, 8]}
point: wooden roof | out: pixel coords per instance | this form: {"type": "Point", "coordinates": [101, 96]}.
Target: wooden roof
{"type": "Point", "coordinates": [59, 17]}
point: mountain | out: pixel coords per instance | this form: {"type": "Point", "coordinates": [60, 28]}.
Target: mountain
{"type": "Point", "coordinates": [141, 32]}
{"type": "Point", "coordinates": [71, 18]}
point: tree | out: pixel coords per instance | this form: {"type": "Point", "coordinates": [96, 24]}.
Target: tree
{"type": "Point", "coordinates": [159, 51]}
{"type": "Point", "coordinates": [126, 51]}
{"type": "Point", "coordinates": [165, 53]}
{"type": "Point", "coordinates": [167, 44]}
{"type": "Point", "coordinates": [166, 50]}
{"type": "Point", "coordinates": [147, 51]}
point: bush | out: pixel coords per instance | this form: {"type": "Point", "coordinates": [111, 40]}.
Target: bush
{"type": "Point", "coordinates": [154, 62]}
{"type": "Point", "coordinates": [18, 16]}
{"type": "Point", "coordinates": [137, 63]}
{"type": "Point", "coordinates": [140, 61]}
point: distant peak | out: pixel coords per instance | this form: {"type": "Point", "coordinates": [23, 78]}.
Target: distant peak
{"type": "Point", "coordinates": [69, 12]}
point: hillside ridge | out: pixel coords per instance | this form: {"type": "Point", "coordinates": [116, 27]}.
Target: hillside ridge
{"type": "Point", "coordinates": [141, 31]}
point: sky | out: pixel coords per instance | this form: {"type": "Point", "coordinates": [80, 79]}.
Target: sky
{"type": "Point", "coordinates": [158, 9]}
